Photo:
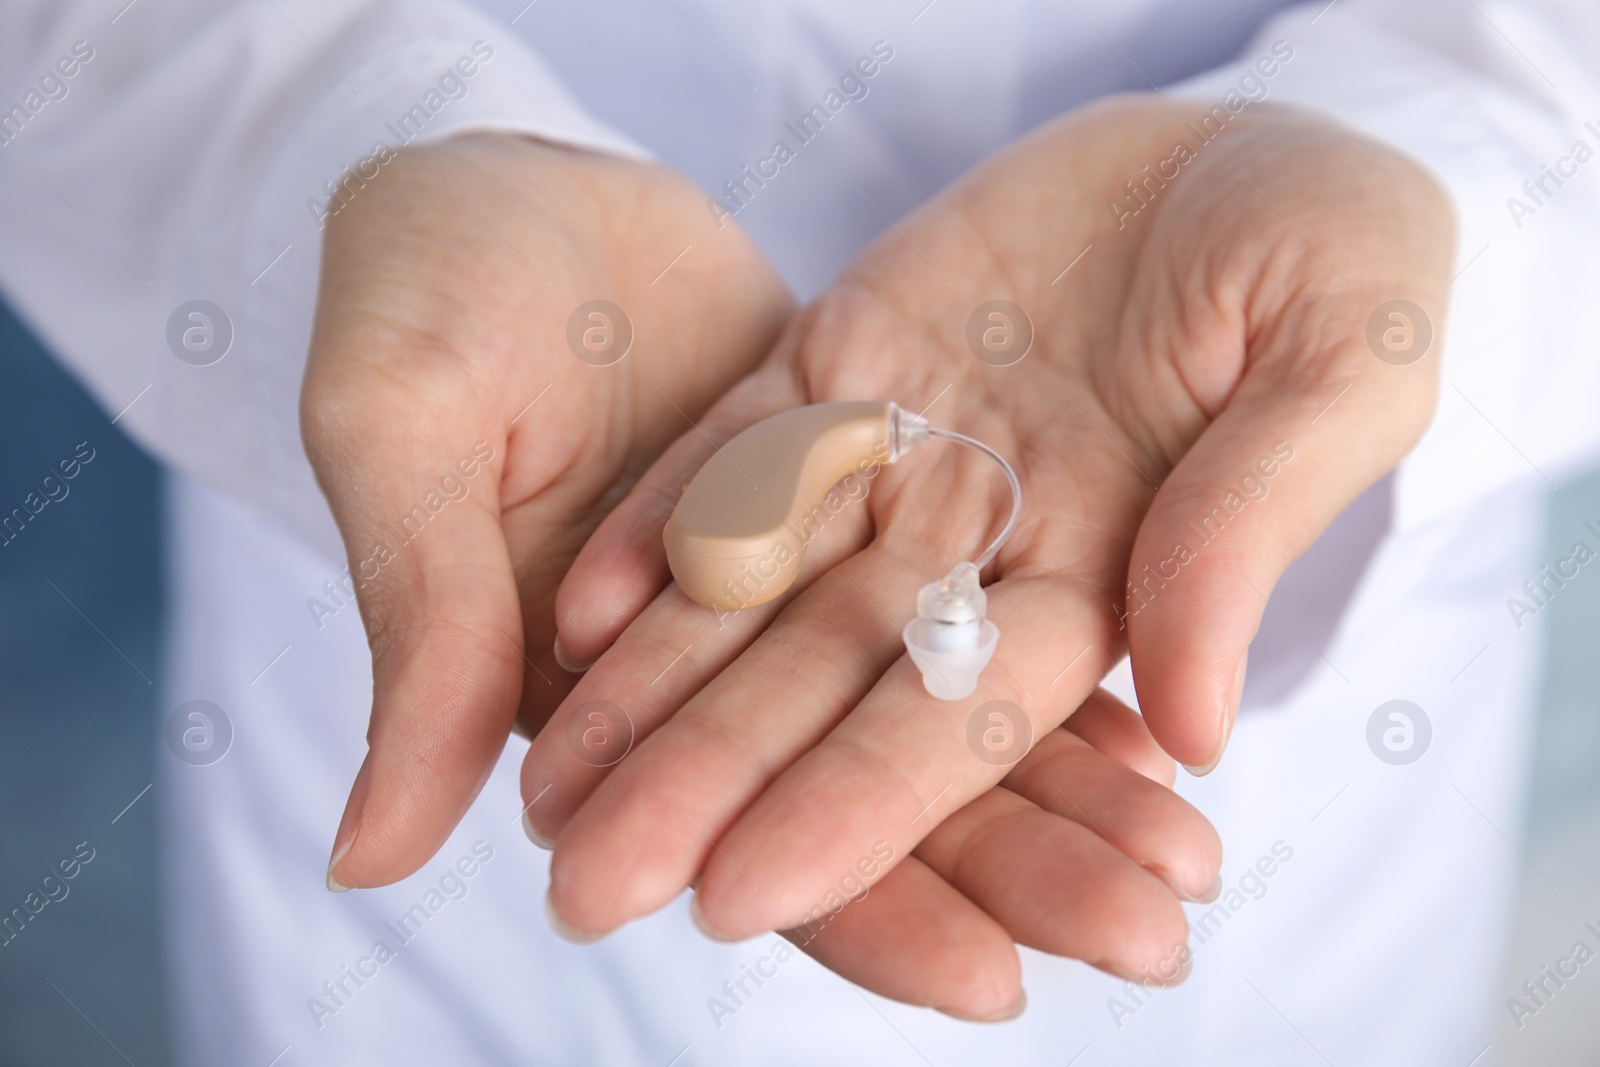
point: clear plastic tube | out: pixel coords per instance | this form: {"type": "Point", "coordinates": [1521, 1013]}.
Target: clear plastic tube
{"type": "Point", "coordinates": [950, 640]}
{"type": "Point", "coordinates": [1016, 492]}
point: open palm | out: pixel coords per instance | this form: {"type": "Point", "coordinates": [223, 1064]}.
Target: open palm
{"type": "Point", "coordinates": [472, 416]}
{"type": "Point", "coordinates": [1203, 345]}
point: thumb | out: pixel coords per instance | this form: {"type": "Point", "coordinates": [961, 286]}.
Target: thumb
{"type": "Point", "coordinates": [412, 477]}
{"type": "Point", "coordinates": [623, 565]}
{"type": "Point", "coordinates": [1310, 426]}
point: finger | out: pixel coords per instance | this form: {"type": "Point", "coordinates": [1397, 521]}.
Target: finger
{"type": "Point", "coordinates": [623, 565]}
{"type": "Point", "coordinates": [542, 536]}
{"type": "Point", "coordinates": [647, 829]}
{"type": "Point", "coordinates": [639, 684]}
{"type": "Point", "coordinates": [1116, 730]}
{"type": "Point", "coordinates": [647, 832]}
{"type": "Point", "coordinates": [915, 939]}
{"type": "Point", "coordinates": [1060, 877]}
{"type": "Point", "coordinates": [1153, 828]}
{"type": "Point", "coordinates": [674, 649]}
{"type": "Point", "coordinates": [1309, 419]}
{"type": "Point", "coordinates": [903, 760]}
{"type": "Point", "coordinates": [437, 595]}
{"type": "Point", "coordinates": [1057, 886]}
{"type": "Point", "coordinates": [1301, 438]}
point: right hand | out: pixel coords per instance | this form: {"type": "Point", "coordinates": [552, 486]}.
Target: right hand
{"type": "Point", "coordinates": [447, 285]}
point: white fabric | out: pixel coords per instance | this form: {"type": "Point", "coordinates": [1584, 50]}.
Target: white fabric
{"type": "Point", "coordinates": [260, 103]}
{"type": "Point", "coordinates": [1377, 938]}
{"type": "Point", "coordinates": [179, 165]}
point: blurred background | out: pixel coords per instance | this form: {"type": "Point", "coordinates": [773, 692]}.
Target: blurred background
{"type": "Point", "coordinates": [81, 620]}
{"type": "Point", "coordinates": [80, 647]}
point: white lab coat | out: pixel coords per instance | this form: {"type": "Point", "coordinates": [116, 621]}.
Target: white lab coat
{"type": "Point", "coordinates": [186, 158]}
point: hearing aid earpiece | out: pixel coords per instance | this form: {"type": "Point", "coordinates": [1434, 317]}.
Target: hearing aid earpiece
{"type": "Point", "coordinates": [738, 535]}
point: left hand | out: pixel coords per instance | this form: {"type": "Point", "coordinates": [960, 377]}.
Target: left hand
{"type": "Point", "coordinates": [1211, 345]}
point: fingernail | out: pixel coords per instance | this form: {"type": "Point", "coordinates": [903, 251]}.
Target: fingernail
{"type": "Point", "coordinates": [1183, 894]}
{"type": "Point", "coordinates": [333, 884]}
{"type": "Point", "coordinates": [1015, 1013]}
{"type": "Point", "coordinates": [534, 835]}
{"type": "Point", "coordinates": [1202, 769]}
{"type": "Point", "coordinates": [565, 932]}
{"type": "Point", "coordinates": [567, 663]}
{"type": "Point", "coordinates": [1016, 1009]}
{"type": "Point", "coordinates": [1117, 971]}
{"type": "Point", "coordinates": [697, 917]}
{"type": "Point", "coordinates": [1179, 975]}
{"type": "Point", "coordinates": [349, 825]}
{"type": "Point", "coordinates": [1230, 713]}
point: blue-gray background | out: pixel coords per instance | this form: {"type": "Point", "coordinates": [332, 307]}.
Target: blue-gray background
{"type": "Point", "coordinates": [78, 738]}
{"type": "Point", "coordinates": [80, 646]}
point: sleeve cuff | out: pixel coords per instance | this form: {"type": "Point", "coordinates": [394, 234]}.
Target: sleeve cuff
{"type": "Point", "coordinates": [453, 73]}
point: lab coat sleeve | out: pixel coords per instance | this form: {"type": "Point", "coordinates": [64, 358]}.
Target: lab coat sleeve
{"type": "Point", "coordinates": [1500, 101]}
{"type": "Point", "coordinates": [187, 150]}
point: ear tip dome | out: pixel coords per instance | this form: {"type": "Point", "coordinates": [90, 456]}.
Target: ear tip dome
{"type": "Point", "coordinates": [950, 641]}
{"type": "Point", "coordinates": [949, 673]}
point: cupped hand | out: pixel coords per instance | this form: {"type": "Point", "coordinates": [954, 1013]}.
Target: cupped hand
{"type": "Point", "coordinates": [471, 417]}
{"type": "Point", "coordinates": [1198, 402]}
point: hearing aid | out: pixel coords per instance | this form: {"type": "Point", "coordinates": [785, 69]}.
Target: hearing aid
{"type": "Point", "coordinates": [738, 535]}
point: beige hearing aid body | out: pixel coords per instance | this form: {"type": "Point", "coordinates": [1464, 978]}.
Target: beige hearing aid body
{"type": "Point", "coordinates": [739, 533]}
